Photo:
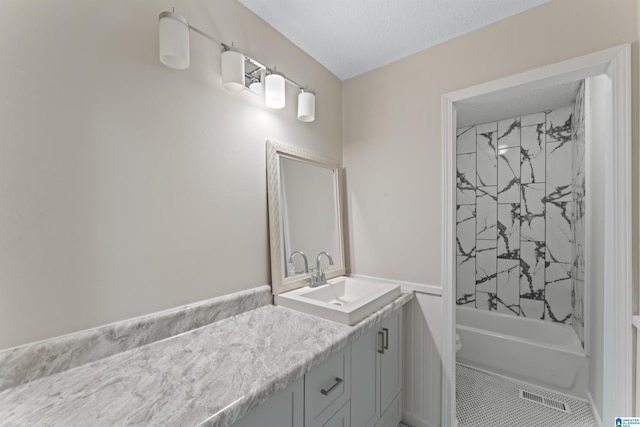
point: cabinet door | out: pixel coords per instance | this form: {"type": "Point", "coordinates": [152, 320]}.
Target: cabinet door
{"type": "Point", "coordinates": [393, 415]}
{"type": "Point", "coordinates": [282, 410]}
{"type": "Point", "coordinates": [391, 360]}
{"type": "Point", "coordinates": [365, 379]}
{"type": "Point", "coordinates": [340, 419]}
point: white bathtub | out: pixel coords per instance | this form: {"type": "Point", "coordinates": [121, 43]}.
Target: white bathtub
{"type": "Point", "coordinates": [542, 353]}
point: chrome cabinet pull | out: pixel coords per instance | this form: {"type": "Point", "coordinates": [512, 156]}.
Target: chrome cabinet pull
{"type": "Point", "coordinates": [381, 349]}
{"type": "Point", "coordinates": [386, 338]}
{"type": "Point", "coordinates": [333, 387]}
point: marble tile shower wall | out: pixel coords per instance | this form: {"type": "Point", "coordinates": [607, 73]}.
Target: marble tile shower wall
{"type": "Point", "coordinates": [578, 184]}
{"type": "Point", "coordinates": [515, 204]}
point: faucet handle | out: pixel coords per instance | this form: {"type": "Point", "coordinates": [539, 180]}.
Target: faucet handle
{"type": "Point", "coordinates": [317, 277]}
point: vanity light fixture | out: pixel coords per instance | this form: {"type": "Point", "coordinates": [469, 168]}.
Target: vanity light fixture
{"type": "Point", "coordinates": [232, 70]}
{"type": "Point", "coordinates": [274, 93]}
{"type": "Point", "coordinates": [306, 106]}
{"type": "Point", "coordinates": [256, 87]}
{"type": "Point", "coordinates": [174, 32]}
{"type": "Point", "coordinates": [174, 40]}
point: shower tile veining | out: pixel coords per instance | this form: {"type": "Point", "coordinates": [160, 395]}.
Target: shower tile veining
{"type": "Point", "coordinates": [486, 400]}
{"type": "Point", "coordinates": [520, 227]}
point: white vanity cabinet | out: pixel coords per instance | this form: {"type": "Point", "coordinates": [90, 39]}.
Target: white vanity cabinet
{"type": "Point", "coordinates": [360, 386]}
{"type": "Point", "coordinates": [376, 375]}
{"type": "Point", "coordinates": [319, 399]}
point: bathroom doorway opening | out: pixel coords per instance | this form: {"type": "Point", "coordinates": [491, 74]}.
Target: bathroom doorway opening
{"type": "Point", "coordinates": [606, 75]}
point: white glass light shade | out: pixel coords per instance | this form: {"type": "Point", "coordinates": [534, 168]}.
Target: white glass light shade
{"type": "Point", "coordinates": [232, 70]}
{"type": "Point", "coordinates": [256, 87]}
{"type": "Point", "coordinates": [274, 93]}
{"type": "Point", "coordinates": [306, 106]}
{"type": "Point", "coordinates": [174, 40]}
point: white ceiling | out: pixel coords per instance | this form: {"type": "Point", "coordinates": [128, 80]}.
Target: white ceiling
{"type": "Point", "coordinates": [351, 37]}
{"type": "Point", "coordinates": [515, 102]}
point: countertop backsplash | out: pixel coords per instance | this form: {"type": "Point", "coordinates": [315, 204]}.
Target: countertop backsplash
{"type": "Point", "coordinates": [33, 361]}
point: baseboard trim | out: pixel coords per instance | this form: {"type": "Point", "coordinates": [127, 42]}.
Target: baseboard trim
{"type": "Point", "coordinates": [414, 421]}
{"type": "Point", "coordinates": [594, 410]}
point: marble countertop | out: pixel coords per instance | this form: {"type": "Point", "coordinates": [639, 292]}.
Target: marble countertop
{"type": "Point", "coordinates": [210, 376]}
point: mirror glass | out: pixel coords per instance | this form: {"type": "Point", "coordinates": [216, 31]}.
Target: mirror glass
{"type": "Point", "coordinates": [304, 216]}
{"type": "Point", "coordinates": [309, 214]}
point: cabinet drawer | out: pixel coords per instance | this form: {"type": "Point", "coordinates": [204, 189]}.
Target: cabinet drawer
{"type": "Point", "coordinates": [327, 388]}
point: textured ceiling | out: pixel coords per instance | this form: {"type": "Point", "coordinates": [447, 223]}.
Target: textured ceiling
{"type": "Point", "coordinates": [351, 37]}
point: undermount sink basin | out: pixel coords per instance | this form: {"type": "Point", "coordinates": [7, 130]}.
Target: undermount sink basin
{"type": "Point", "coordinates": [345, 300]}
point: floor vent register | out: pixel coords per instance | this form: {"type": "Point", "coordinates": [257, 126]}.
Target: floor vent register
{"type": "Point", "coordinates": [545, 401]}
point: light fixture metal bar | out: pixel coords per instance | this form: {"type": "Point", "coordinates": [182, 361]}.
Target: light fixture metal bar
{"type": "Point", "coordinates": [298, 85]}
{"type": "Point", "coordinates": [205, 35]}
{"type": "Point", "coordinates": [248, 58]}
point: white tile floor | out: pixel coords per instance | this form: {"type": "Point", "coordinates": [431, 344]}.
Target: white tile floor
{"type": "Point", "coordinates": [485, 400]}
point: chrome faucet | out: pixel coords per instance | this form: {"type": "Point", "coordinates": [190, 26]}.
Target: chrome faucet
{"type": "Point", "coordinates": [304, 257]}
{"type": "Point", "coordinates": [317, 275]}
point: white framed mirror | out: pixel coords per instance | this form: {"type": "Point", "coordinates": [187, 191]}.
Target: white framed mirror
{"type": "Point", "coordinates": [305, 218]}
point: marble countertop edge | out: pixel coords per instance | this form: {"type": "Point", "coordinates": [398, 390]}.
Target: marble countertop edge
{"type": "Point", "coordinates": [201, 382]}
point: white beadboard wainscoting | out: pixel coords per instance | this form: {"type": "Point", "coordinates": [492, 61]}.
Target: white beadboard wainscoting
{"type": "Point", "coordinates": [422, 360]}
